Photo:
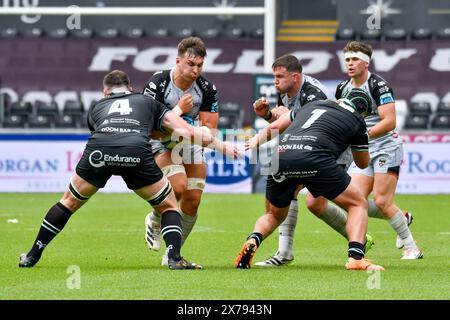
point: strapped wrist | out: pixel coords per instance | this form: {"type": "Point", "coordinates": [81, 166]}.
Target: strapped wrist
{"type": "Point", "coordinates": [177, 110]}
{"type": "Point", "coordinates": [268, 116]}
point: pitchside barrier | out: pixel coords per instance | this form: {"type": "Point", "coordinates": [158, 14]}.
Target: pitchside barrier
{"type": "Point", "coordinates": [45, 162]}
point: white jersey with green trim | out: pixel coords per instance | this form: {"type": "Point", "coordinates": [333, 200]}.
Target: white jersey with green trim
{"type": "Point", "coordinates": [380, 93]}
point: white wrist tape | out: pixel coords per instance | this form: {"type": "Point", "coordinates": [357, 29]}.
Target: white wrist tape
{"type": "Point", "coordinates": [177, 110]}
{"type": "Point", "coordinates": [360, 55]}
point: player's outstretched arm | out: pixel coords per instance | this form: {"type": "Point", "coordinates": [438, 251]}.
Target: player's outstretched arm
{"type": "Point", "coordinates": [269, 132]}
{"type": "Point", "coordinates": [199, 135]}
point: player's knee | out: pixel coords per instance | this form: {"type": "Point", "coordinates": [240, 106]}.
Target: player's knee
{"type": "Point", "coordinates": [190, 202]}
{"type": "Point", "coordinates": [315, 206]}
{"type": "Point", "coordinates": [381, 202]}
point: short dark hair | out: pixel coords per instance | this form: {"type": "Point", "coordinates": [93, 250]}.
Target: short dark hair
{"type": "Point", "coordinates": [192, 45]}
{"type": "Point", "coordinates": [116, 78]}
{"type": "Point", "coordinates": [288, 61]}
{"type": "Point", "coordinates": [356, 46]}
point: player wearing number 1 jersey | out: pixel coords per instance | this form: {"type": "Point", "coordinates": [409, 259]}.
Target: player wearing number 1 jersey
{"type": "Point", "coordinates": [311, 141]}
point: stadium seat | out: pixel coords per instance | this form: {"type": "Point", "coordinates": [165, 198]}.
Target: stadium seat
{"type": "Point", "coordinates": [346, 34]}
{"type": "Point", "coordinates": [370, 34]}
{"type": "Point", "coordinates": [20, 108]}
{"type": "Point", "coordinates": [33, 33]}
{"type": "Point", "coordinates": [210, 33]}
{"type": "Point", "coordinates": [10, 33]}
{"type": "Point", "coordinates": [419, 122]}
{"type": "Point", "coordinates": [420, 108]}
{"type": "Point", "coordinates": [443, 108]}
{"type": "Point", "coordinates": [234, 111]}
{"type": "Point", "coordinates": [134, 33]}
{"type": "Point", "coordinates": [14, 121]}
{"type": "Point", "coordinates": [109, 33]}
{"type": "Point", "coordinates": [421, 33]}
{"type": "Point", "coordinates": [257, 33]}
{"type": "Point", "coordinates": [84, 33]}
{"type": "Point", "coordinates": [49, 109]}
{"type": "Point", "coordinates": [59, 33]}
{"type": "Point", "coordinates": [160, 33]}
{"type": "Point", "coordinates": [395, 34]}
{"type": "Point", "coordinates": [441, 122]}
{"type": "Point", "coordinates": [443, 33]}
{"type": "Point", "coordinates": [66, 121]}
{"type": "Point", "coordinates": [225, 122]}
{"type": "Point", "coordinates": [183, 33]}
{"type": "Point", "coordinates": [75, 109]}
{"type": "Point", "coordinates": [401, 111]}
{"type": "Point", "coordinates": [39, 121]}
{"type": "Point", "coordinates": [234, 33]}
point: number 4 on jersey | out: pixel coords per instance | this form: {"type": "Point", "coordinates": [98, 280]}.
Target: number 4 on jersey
{"type": "Point", "coordinates": [122, 106]}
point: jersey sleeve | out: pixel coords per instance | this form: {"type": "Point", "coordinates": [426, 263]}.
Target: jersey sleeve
{"type": "Point", "coordinates": [155, 86]}
{"type": "Point", "coordinates": [381, 91]}
{"type": "Point", "coordinates": [340, 89]}
{"type": "Point", "coordinates": [360, 141]}
{"type": "Point", "coordinates": [312, 93]}
{"type": "Point", "coordinates": [210, 102]}
{"type": "Point", "coordinates": [159, 112]}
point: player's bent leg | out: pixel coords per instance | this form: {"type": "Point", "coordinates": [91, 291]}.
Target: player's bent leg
{"type": "Point", "coordinates": [264, 226]}
{"type": "Point", "coordinates": [384, 191]}
{"type": "Point", "coordinates": [56, 218]}
{"type": "Point", "coordinates": [161, 197]}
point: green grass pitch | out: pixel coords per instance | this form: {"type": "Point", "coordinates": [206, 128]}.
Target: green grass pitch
{"type": "Point", "coordinates": [104, 240]}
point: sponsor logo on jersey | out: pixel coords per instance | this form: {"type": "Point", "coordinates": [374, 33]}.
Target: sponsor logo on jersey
{"type": "Point", "coordinates": [98, 160]}
{"type": "Point", "coordinates": [386, 98]}
{"type": "Point", "coordinates": [152, 85]}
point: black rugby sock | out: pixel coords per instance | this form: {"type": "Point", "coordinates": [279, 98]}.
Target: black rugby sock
{"type": "Point", "coordinates": [171, 231]}
{"type": "Point", "coordinates": [53, 223]}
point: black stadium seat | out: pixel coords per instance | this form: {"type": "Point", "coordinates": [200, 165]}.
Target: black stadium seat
{"type": "Point", "coordinates": [109, 33]}
{"type": "Point", "coordinates": [346, 34]}
{"type": "Point", "coordinates": [210, 33]}
{"type": "Point", "coordinates": [66, 121]}
{"type": "Point", "coordinates": [160, 33]}
{"type": "Point", "coordinates": [49, 109]}
{"type": "Point", "coordinates": [14, 121]}
{"type": "Point", "coordinates": [134, 33]}
{"type": "Point", "coordinates": [443, 33]}
{"type": "Point", "coordinates": [443, 108]}
{"type": "Point", "coordinates": [10, 33]}
{"type": "Point", "coordinates": [419, 122]}
{"type": "Point", "coordinates": [184, 33]}
{"type": "Point", "coordinates": [419, 108]}
{"type": "Point", "coordinates": [421, 33]}
{"type": "Point", "coordinates": [370, 34]}
{"type": "Point", "coordinates": [59, 33]}
{"type": "Point", "coordinates": [441, 122]}
{"type": "Point", "coordinates": [39, 121]}
{"type": "Point", "coordinates": [234, 33]}
{"type": "Point", "coordinates": [21, 108]}
{"type": "Point", "coordinates": [395, 34]}
{"type": "Point", "coordinates": [84, 33]}
{"type": "Point", "coordinates": [33, 33]}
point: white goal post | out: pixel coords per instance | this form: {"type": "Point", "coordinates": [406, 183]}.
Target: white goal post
{"type": "Point", "coordinates": [268, 11]}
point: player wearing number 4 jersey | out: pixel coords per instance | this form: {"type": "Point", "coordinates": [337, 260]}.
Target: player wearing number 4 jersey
{"type": "Point", "coordinates": [311, 141]}
{"type": "Point", "coordinates": [385, 147]}
{"type": "Point", "coordinates": [120, 125]}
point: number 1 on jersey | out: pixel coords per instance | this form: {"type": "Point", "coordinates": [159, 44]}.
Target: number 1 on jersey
{"type": "Point", "coordinates": [316, 113]}
{"type": "Point", "coordinates": [122, 106]}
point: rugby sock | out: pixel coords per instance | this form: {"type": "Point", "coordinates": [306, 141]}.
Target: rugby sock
{"type": "Point", "coordinates": [171, 232]}
{"type": "Point", "coordinates": [374, 211]}
{"type": "Point", "coordinates": [336, 218]}
{"type": "Point", "coordinates": [257, 236]}
{"type": "Point", "coordinates": [53, 223]}
{"type": "Point", "coordinates": [286, 231]}
{"type": "Point", "coordinates": [400, 225]}
{"type": "Point", "coordinates": [355, 250]}
{"type": "Point", "coordinates": [188, 223]}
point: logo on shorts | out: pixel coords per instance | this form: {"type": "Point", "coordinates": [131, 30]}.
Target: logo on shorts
{"type": "Point", "coordinates": [95, 159]}
{"type": "Point", "coordinates": [382, 162]}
